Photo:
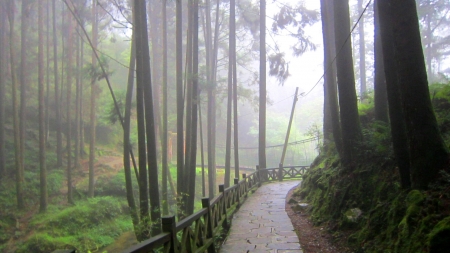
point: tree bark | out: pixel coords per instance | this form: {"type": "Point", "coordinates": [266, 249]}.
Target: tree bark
{"type": "Point", "coordinates": [57, 92]}
{"type": "Point", "coordinates": [15, 98]}
{"type": "Point", "coordinates": [69, 79]}
{"type": "Point", "coordinates": [92, 134]}
{"type": "Point", "coordinates": [396, 116]}
{"type": "Point", "coordinates": [180, 102]}
{"type": "Point", "coordinates": [332, 127]}
{"type": "Point", "coordinates": [127, 145]}
{"type": "Point", "coordinates": [380, 101]}
{"type": "Point", "coordinates": [164, 161]}
{"type": "Point", "coordinates": [41, 91]}
{"type": "Point", "coordinates": [362, 53]}
{"type": "Point", "coordinates": [3, 66]}
{"type": "Point", "coordinates": [262, 85]}
{"type": "Point", "coordinates": [351, 129]}
{"type": "Point", "coordinates": [428, 152]}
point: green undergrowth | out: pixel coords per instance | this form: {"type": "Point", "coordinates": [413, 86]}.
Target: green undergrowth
{"type": "Point", "coordinates": [87, 226]}
{"type": "Point", "coordinates": [392, 219]}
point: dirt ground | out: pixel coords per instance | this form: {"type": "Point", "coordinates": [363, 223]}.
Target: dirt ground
{"type": "Point", "coordinates": [313, 239]}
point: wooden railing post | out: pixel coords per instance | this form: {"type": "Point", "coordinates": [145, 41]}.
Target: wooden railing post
{"type": "Point", "coordinates": [209, 225]}
{"type": "Point", "coordinates": [224, 206]}
{"type": "Point", "coordinates": [280, 172]}
{"type": "Point", "coordinates": [169, 226]}
{"type": "Point", "coordinates": [238, 189]}
{"type": "Point", "coordinates": [258, 172]}
{"type": "Point", "coordinates": [244, 176]}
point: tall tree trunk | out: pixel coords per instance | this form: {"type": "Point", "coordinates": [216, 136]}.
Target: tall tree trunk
{"type": "Point", "coordinates": [42, 148]}
{"type": "Point", "coordinates": [77, 103]}
{"type": "Point", "coordinates": [262, 85]}
{"type": "Point", "coordinates": [428, 152]}
{"type": "Point", "coordinates": [194, 108]}
{"type": "Point", "coordinates": [23, 89]}
{"type": "Point", "coordinates": [164, 161]}
{"type": "Point", "coordinates": [47, 73]}
{"type": "Point", "coordinates": [380, 101]}
{"type": "Point", "coordinates": [93, 101]}
{"type": "Point", "coordinates": [154, 10]}
{"type": "Point", "coordinates": [235, 89]}
{"type": "Point", "coordinates": [3, 66]}
{"type": "Point", "coordinates": [81, 126]}
{"type": "Point", "coordinates": [57, 92]}
{"type": "Point", "coordinates": [140, 36]}
{"type": "Point", "coordinates": [362, 53]}
{"type": "Point", "coordinates": [351, 129]}
{"type": "Point", "coordinates": [127, 145]}
{"type": "Point", "coordinates": [180, 102]}
{"type": "Point", "coordinates": [189, 102]}
{"type": "Point", "coordinates": [15, 98]}
{"type": "Point", "coordinates": [210, 90]}
{"type": "Point", "coordinates": [332, 125]}
{"type": "Point", "coordinates": [396, 116]}
{"type": "Point", "coordinates": [229, 104]}
{"type": "Point", "coordinates": [69, 67]}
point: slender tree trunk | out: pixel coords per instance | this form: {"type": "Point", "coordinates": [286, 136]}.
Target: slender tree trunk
{"type": "Point", "coordinates": [381, 106]}
{"type": "Point", "coordinates": [362, 53]}
{"type": "Point", "coordinates": [57, 92]}
{"type": "Point", "coordinates": [93, 101]}
{"type": "Point", "coordinates": [180, 102]}
{"type": "Point", "coordinates": [23, 92]}
{"type": "Point", "coordinates": [3, 66]}
{"type": "Point", "coordinates": [165, 164]}
{"type": "Point", "coordinates": [235, 89]}
{"type": "Point", "coordinates": [140, 35]}
{"type": "Point", "coordinates": [229, 106]}
{"type": "Point", "coordinates": [428, 152]}
{"type": "Point", "coordinates": [69, 67]}
{"type": "Point", "coordinates": [262, 85]}
{"type": "Point", "coordinates": [351, 129]}
{"type": "Point", "coordinates": [42, 149]}
{"type": "Point", "coordinates": [127, 145]}
{"type": "Point", "coordinates": [81, 127]}
{"type": "Point", "coordinates": [15, 98]}
{"type": "Point", "coordinates": [332, 125]}
{"type": "Point", "coordinates": [189, 102]}
{"type": "Point", "coordinates": [47, 73]}
{"type": "Point", "coordinates": [194, 108]}
{"type": "Point", "coordinates": [210, 88]}
{"type": "Point", "coordinates": [77, 104]}
{"type": "Point", "coordinates": [396, 115]}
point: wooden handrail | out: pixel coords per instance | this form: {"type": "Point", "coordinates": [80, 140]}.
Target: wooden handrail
{"type": "Point", "coordinates": [196, 232]}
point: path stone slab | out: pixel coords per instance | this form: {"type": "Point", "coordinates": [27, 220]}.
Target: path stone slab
{"type": "Point", "coordinates": [261, 223]}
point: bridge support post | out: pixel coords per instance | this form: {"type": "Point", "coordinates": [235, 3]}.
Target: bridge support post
{"type": "Point", "coordinates": [280, 172]}
{"type": "Point", "coordinates": [244, 176]}
{"type": "Point", "coordinates": [238, 194]}
{"type": "Point", "coordinates": [169, 226]}
{"type": "Point", "coordinates": [224, 206]}
{"type": "Point", "coordinates": [209, 225]}
{"type": "Point", "coordinates": [258, 172]}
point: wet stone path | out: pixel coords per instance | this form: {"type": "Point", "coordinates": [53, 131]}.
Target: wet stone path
{"type": "Point", "coordinates": [262, 225]}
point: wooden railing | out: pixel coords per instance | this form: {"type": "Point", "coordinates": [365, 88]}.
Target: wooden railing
{"type": "Point", "coordinates": [196, 232]}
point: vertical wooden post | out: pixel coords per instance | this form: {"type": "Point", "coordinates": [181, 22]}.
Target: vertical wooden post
{"type": "Point", "coordinates": [169, 226]}
{"type": "Point", "coordinates": [238, 189]}
{"type": "Point", "coordinates": [224, 206]}
{"type": "Point", "coordinates": [244, 176]}
{"type": "Point", "coordinates": [209, 224]}
{"type": "Point", "coordinates": [280, 172]}
{"type": "Point", "coordinates": [258, 173]}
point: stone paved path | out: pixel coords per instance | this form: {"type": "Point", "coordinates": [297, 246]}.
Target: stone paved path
{"type": "Point", "coordinates": [262, 225]}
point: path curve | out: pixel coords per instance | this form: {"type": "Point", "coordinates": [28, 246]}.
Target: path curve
{"type": "Point", "coordinates": [262, 224]}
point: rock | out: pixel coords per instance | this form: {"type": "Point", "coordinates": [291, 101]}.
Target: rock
{"type": "Point", "coordinates": [353, 215]}
{"type": "Point", "coordinates": [300, 207]}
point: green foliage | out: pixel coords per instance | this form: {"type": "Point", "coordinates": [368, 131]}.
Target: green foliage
{"type": "Point", "coordinates": [88, 225]}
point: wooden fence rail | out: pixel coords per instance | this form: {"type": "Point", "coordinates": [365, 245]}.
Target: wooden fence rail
{"type": "Point", "coordinates": [196, 233]}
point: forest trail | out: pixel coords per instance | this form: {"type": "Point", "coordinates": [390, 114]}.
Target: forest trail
{"type": "Point", "coordinates": [262, 224]}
